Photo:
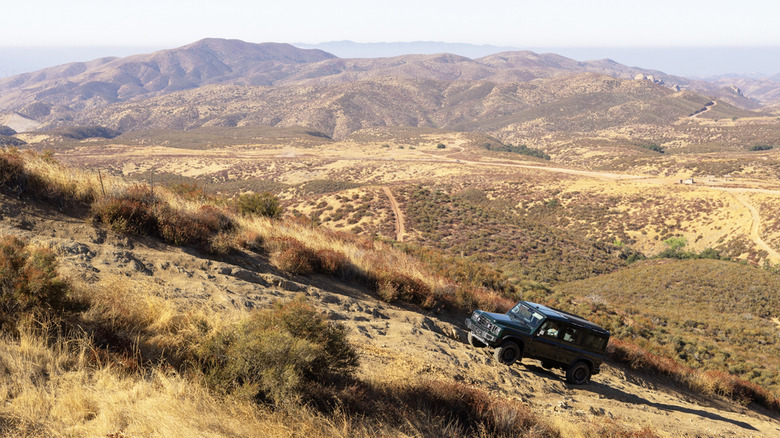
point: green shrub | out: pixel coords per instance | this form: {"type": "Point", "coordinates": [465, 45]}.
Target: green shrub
{"type": "Point", "coordinates": [654, 147]}
{"type": "Point", "coordinates": [262, 204]}
{"type": "Point", "coordinates": [441, 146]}
{"type": "Point", "coordinates": [277, 354]}
{"type": "Point", "coordinates": [761, 147]}
{"type": "Point", "coordinates": [520, 149]}
{"type": "Point", "coordinates": [28, 280]}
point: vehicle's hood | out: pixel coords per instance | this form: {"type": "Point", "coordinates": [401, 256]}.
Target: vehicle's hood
{"type": "Point", "coordinates": [506, 321]}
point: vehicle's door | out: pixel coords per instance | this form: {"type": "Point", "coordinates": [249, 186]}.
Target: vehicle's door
{"type": "Point", "coordinates": [545, 344]}
{"type": "Point", "coordinates": [569, 347]}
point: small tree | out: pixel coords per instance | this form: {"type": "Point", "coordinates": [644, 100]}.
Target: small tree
{"type": "Point", "coordinates": [441, 146]}
{"type": "Point", "coordinates": [262, 204]}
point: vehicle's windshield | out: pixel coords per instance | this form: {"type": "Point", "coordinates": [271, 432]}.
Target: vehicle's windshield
{"type": "Point", "coordinates": [526, 315]}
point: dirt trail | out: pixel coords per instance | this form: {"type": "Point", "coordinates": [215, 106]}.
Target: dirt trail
{"type": "Point", "coordinates": [755, 225]}
{"type": "Point", "coordinates": [400, 228]}
{"type": "Point", "coordinates": [706, 108]}
{"type": "Point", "coordinates": [447, 157]}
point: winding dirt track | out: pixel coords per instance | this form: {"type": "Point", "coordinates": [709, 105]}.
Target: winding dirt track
{"type": "Point", "coordinates": [706, 108]}
{"type": "Point", "coordinates": [755, 225]}
{"type": "Point", "coordinates": [400, 229]}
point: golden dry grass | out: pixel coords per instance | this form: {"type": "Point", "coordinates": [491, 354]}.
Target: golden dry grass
{"type": "Point", "coordinates": [54, 390]}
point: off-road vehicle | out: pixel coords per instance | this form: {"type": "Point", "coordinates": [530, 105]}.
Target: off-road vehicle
{"type": "Point", "coordinates": [557, 338]}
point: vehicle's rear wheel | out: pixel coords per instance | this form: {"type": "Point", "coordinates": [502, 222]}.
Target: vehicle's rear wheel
{"type": "Point", "coordinates": [474, 342]}
{"type": "Point", "coordinates": [578, 373]}
{"type": "Point", "coordinates": [507, 353]}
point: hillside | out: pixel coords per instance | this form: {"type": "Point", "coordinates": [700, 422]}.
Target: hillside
{"type": "Point", "coordinates": [571, 104]}
{"type": "Point", "coordinates": [143, 300]}
{"type": "Point", "coordinates": [703, 312]}
{"type": "Point", "coordinates": [76, 86]}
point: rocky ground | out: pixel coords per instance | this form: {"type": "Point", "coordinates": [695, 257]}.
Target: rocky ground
{"type": "Point", "coordinates": [396, 342]}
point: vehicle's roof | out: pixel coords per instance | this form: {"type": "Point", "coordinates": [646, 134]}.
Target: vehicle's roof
{"type": "Point", "coordinates": [568, 317]}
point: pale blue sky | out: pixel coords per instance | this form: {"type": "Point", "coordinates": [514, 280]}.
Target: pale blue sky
{"type": "Point", "coordinates": [520, 23]}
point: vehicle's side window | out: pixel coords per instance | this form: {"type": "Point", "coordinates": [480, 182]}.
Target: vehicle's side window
{"type": "Point", "coordinates": [550, 329]}
{"type": "Point", "coordinates": [570, 334]}
{"type": "Point", "coordinates": [593, 342]}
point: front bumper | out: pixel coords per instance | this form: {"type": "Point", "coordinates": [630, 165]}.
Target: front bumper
{"type": "Point", "coordinates": [480, 333]}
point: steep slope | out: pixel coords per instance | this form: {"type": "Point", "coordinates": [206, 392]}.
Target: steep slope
{"type": "Point", "coordinates": [395, 343]}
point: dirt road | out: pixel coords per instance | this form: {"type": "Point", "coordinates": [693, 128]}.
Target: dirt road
{"type": "Point", "coordinates": [400, 229]}
{"type": "Point", "coordinates": [706, 108]}
{"type": "Point", "coordinates": [755, 225]}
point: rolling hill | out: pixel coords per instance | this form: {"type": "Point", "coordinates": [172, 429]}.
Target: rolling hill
{"type": "Point", "coordinates": [68, 94]}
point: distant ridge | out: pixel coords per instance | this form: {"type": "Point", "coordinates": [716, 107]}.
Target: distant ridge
{"type": "Point", "coordinates": [70, 93]}
{"type": "Point", "coordinates": [108, 80]}
{"type": "Point", "coordinates": [351, 49]}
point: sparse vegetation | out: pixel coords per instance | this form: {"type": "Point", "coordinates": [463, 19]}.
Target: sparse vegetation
{"type": "Point", "coordinates": [761, 147]}
{"type": "Point", "coordinates": [520, 149]}
{"type": "Point", "coordinates": [441, 280]}
{"type": "Point", "coordinates": [263, 204]}
{"type": "Point", "coordinates": [654, 147]}
{"type": "Point", "coordinates": [85, 132]}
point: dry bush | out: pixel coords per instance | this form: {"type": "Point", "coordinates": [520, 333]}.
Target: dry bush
{"type": "Point", "coordinates": [435, 408]}
{"type": "Point", "coordinates": [600, 427]}
{"type": "Point", "coordinates": [292, 256]}
{"type": "Point", "coordinates": [136, 210]}
{"type": "Point", "coordinates": [331, 262]}
{"type": "Point", "coordinates": [394, 285]}
{"type": "Point", "coordinates": [277, 353]}
{"type": "Point", "coordinates": [28, 281]}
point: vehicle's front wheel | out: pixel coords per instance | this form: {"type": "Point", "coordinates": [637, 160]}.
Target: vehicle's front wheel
{"type": "Point", "coordinates": [507, 353]}
{"type": "Point", "coordinates": [474, 342]}
{"type": "Point", "coordinates": [578, 373]}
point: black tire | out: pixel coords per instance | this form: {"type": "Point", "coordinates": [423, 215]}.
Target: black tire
{"type": "Point", "coordinates": [578, 373]}
{"type": "Point", "coordinates": [474, 342]}
{"type": "Point", "coordinates": [507, 353]}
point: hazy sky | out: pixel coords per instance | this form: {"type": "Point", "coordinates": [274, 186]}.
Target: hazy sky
{"type": "Point", "coordinates": [520, 23]}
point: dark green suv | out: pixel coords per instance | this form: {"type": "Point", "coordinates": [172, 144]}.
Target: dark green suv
{"type": "Point", "coordinates": [558, 339]}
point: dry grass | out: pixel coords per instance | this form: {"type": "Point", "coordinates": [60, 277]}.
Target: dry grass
{"type": "Point", "coordinates": [709, 383]}
{"type": "Point", "coordinates": [53, 389]}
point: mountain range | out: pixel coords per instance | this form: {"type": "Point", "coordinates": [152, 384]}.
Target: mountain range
{"type": "Point", "coordinates": [231, 82]}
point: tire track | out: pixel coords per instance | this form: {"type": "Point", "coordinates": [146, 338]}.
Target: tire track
{"type": "Point", "coordinates": [400, 228]}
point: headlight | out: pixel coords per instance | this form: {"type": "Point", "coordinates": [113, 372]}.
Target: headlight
{"type": "Point", "coordinates": [488, 325]}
